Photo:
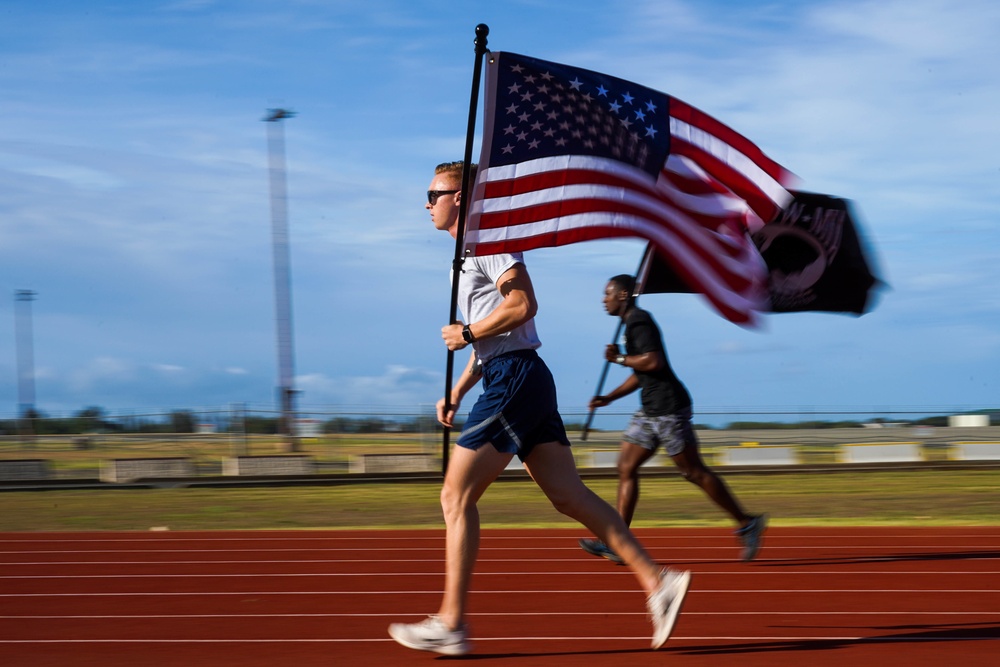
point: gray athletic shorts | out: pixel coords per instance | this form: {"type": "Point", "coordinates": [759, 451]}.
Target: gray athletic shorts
{"type": "Point", "coordinates": [673, 431]}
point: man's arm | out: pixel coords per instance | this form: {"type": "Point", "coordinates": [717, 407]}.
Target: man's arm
{"type": "Point", "coordinates": [650, 359]}
{"type": "Point", "coordinates": [518, 306]}
{"type": "Point", "coordinates": [643, 362]}
{"type": "Point", "coordinates": [630, 384]}
{"type": "Point", "coordinates": [647, 362]}
{"type": "Point", "coordinates": [466, 381]}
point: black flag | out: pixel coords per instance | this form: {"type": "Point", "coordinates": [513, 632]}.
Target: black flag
{"type": "Point", "coordinates": [815, 260]}
{"type": "Point", "coordinates": [814, 257]}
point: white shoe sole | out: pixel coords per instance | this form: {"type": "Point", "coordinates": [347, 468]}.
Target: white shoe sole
{"type": "Point", "coordinates": [447, 649]}
{"type": "Point", "coordinates": [681, 584]}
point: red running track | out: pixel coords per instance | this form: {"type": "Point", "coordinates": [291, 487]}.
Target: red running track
{"type": "Point", "coordinates": [815, 596]}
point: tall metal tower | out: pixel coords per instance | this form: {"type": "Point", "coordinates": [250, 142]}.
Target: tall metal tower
{"type": "Point", "coordinates": [25, 360]}
{"type": "Point", "coordinates": [282, 271]}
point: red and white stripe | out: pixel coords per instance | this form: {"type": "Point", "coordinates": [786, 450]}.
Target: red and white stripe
{"type": "Point", "coordinates": [731, 159]}
{"type": "Point", "coordinates": [697, 225]}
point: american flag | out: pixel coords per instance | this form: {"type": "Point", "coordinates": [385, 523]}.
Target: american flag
{"type": "Point", "coordinates": [573, 155]}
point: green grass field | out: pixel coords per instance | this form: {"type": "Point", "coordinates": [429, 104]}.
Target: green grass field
{"type": "Point", "coordinates": [931, 497]}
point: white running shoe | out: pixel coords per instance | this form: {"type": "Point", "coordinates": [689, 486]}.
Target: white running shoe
{"type": "Point", "coordinates": [432, 634]}
{"type": "Point", "coordinates": [665, 603]}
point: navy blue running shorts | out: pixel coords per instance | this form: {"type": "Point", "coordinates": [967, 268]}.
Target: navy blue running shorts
{"type": "Point", "coordinates": [517, 409]}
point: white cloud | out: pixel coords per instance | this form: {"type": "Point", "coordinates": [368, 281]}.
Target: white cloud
{"type": "Point", "coordinates": [74, 175]}
{"type": "Point", "coordinates": [397, 386]}
{"type": "Point", "coordinates": [168, 369]}
{"type": "Point", "coordinates": [101, 370]}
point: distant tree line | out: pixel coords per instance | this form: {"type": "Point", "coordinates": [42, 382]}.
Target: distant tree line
{"type": "Point", "coordinates": [94, 419]}
{"type": "Point", "coordinates": [847, 423]}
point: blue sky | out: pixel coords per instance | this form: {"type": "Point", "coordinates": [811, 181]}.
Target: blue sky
{"type": "Point", "coordinates": [134, 196]}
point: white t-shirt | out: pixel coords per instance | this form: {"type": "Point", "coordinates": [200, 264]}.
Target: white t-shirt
{"type": "Point", "coordinates": [478, 296]}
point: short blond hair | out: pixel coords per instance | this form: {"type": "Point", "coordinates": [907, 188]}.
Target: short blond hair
{"type": "Point", "coordinates": [455, 169]}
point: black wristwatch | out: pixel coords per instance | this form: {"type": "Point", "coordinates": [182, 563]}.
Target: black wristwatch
{"type": "Point", "coordinates": [467, 334]}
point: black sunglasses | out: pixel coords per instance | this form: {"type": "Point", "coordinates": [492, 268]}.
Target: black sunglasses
{"type": "Point", "coordinates": [432, 195]}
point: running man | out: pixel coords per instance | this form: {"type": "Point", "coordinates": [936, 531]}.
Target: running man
{"type": "Point", "coordinates": [516, 414]}
{"type": "Point", "coordinates": [664, 419]}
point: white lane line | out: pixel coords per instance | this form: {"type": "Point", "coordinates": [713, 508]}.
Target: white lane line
{"type": "Point", "coordinates": [565, 555]}
{"type": "Point", "coordinates": [438, 534]}
{"type": "Point", "coordinates": [589, 591]}
{"type": "Point", "coordinates": [517, 573]}
{"type": "Point", "coordinates": [485, 614]}
{"type": "Point", "coordinates": [759, 565]}
{"type": "Point", "coordinates": [865, 548]}
{"type": "Point", "coordinates": [673, 640]}
{"type": "Point", "coordinates": [580, 560]}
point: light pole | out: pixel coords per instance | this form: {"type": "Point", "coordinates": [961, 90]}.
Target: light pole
{"type": "Point", "coordinates": [25, 360]}
{"type": "Point", "coordinates": [282, 271]}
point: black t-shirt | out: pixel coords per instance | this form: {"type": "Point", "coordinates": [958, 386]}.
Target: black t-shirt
{"type": "Point", "coordinates": [661, 392]}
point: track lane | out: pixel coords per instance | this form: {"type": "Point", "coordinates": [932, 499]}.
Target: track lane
{"type": "Point", "coordinates": [818, 596]}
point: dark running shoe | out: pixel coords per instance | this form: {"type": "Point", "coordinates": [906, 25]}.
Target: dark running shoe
{"type": "Point", "coordinates": [751, 535]}
{"type": "Point", "coordinates": [600, 549]}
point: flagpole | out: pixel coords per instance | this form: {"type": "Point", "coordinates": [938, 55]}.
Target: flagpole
{"type": "Point", "coordinates": [614, 341]}
{"type": "Point", "coordinates": [482, 31]}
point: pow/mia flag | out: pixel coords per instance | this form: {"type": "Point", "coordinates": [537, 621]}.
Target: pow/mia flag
{"type": "Point", "coordinates": [814, 257]}
{"type": "Point", "coordinates": [815, 260]}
